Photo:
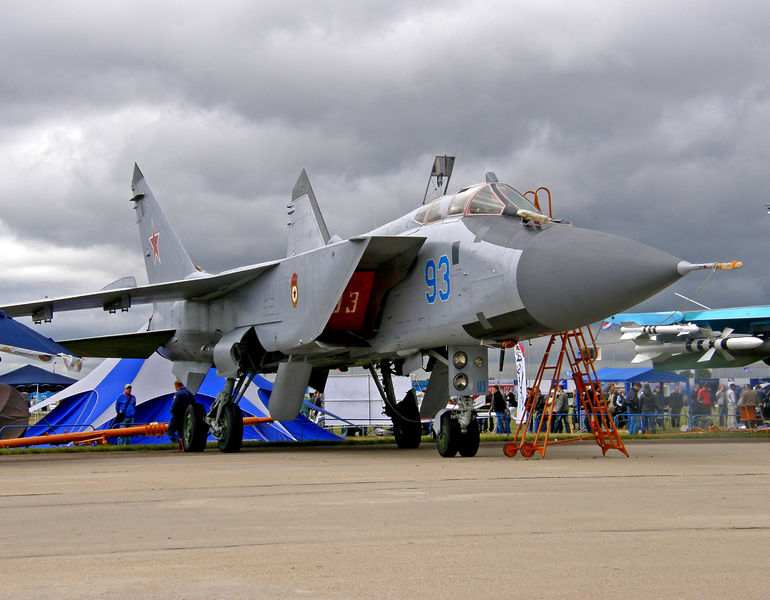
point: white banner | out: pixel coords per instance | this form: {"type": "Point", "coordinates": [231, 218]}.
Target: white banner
{"type": "Point", "coordinates": [521, 377]}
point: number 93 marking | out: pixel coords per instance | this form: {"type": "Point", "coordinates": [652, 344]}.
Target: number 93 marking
{"type": "Point", "coordinates": [437, 280]}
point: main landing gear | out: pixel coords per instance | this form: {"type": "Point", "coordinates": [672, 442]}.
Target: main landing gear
{"type": "Point", "coordinates": [224, 420]}
{"type": "Point", "coordinates": [407, 427]}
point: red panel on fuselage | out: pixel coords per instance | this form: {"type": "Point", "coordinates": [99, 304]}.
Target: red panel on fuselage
{"type": "Point", "coordinates": [350, 311]}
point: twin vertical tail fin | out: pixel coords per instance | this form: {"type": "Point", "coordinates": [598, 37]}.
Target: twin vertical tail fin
{"type": "Point", "coordinates": [164, 256]}
{"type": "Point", "coordinates": [307, 229]}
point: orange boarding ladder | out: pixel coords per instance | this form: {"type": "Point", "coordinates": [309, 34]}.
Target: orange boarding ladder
{"type": "Point", "coordinates": [574, 348]}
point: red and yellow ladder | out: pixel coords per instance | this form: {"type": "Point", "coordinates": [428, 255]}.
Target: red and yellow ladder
{"type": "Point", "coordinates": [581, 362]}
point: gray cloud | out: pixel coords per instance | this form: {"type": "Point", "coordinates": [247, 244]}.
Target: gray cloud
{"type": "Point", "coordinates": [644, 118]}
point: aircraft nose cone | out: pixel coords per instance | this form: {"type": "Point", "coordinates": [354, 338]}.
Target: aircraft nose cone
{"type": "Point", "coordinates": [568, 277]}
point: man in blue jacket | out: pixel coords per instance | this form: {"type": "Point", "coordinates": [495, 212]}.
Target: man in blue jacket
{"type": "Point", "coordinates": [125, 409]}
{"type": "Point", "coordinates": [182, 399]}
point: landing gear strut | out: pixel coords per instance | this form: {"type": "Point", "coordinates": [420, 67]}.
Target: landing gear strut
{"type": "Point", "coordinates": [225, 419]}
{"type": "Point", "coordinates": [407, 427]}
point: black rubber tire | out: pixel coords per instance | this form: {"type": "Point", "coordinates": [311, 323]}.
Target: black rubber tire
{"type": "Point", "coordinates": [448, 440]}
{"type": "Point", "coordinates": [469, 441]}
{"type": "Point", "coordinates": [232, 436]}
{"type": "Point", "coordinates": [194, 428]}
{"type": "Point", "coordinates": [408, 435]}
{"type": "Point", "coordinates": [407, 430]}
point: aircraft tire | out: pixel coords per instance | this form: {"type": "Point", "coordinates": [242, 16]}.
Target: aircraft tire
{"type": "Point", "coordinates": [194, 428]}
{"type": "Point", "coordinates": [407, 430]}
{"type": "Point", "coordinates": [469, 441]}
{"type": "Point", "coordinates": [232, 436]}
{"type": "Point", "coordinates": [408, 435]}
{"type": "Point", "coordinates": [448, 440]}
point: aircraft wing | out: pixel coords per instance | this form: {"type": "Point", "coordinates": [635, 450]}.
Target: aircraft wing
{"type": "Point", "coordinates": [203, 288]}
{"type": "Point", "coordinates": [127, 345]}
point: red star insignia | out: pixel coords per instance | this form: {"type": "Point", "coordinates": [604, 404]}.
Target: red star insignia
{"type": "Point", "coordinates": [154, 241]}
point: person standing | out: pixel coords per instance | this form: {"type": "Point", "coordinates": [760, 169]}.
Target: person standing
{"type": "Point", "coordinates": [125, 409]}
{"type": "Point", "coordinates": [675, 403]}
{"type": "Point", "coordinates": [560, 410]}
{"type": "Point", "coordinates": [620, 418]}
{"type": "Point", "coordinates": [649, 408]}
{"type": "Point", "coordinates": [182, 399]}
{"type": "Point", "coordinates": [706, 406]}
{"type": "Point", "coordinates": [513, 403]}
{"type": "Point", "coordinates": [660, 404]}
{"type": "Point", "coordinates": [722, 403]}
{"type": "Point", "coordinates": [634, 408]}
{"type": "Point", "coordinates": [748, 398]}
{"type": "Point", "coordinates": [732, 406]}
{"type": "Point", "coordinates": [539, 408]}
{"type": "Point", "coordinates": [485, 424]}
{"type": "Point", "coordinates": [500, 408]}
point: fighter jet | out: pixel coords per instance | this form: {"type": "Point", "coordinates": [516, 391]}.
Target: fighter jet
{"type": "Point", "coordinates": [711, 338]}
{"type": "Point", "coordinates": [435, 289]}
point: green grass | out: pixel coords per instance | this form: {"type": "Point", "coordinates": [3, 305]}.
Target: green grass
{"type": "Point", "coordinates": [372, 440]}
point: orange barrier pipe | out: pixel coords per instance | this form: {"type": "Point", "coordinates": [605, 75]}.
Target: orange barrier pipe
{"type": "Point", "coordinates": [256, 420]}
{"type": "Point", "coordinates": [100, 435]}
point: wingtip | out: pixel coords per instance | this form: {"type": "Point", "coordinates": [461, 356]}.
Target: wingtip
{"type": "Point", "coordinates": [138, 176]}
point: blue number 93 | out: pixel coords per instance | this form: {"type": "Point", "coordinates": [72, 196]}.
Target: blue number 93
{"type": "Point", "coordinates": [437, 280]}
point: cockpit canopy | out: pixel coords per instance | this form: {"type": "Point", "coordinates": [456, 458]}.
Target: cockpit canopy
{"type": "Point", "coordinates": [481, 199]}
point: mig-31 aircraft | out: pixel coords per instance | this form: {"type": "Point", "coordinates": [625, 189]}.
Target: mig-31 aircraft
{"type": "Point", "coordinates": [435, 289]}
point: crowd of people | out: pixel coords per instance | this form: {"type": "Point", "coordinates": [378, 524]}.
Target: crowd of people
{"type": "Point", "coordinates": [644, 408]}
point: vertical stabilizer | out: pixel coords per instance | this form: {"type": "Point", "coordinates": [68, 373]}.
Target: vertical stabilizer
{"type": "Point", "coordinates": [307, 229]}
{"type": "Point", "coordinates": [164, 256]}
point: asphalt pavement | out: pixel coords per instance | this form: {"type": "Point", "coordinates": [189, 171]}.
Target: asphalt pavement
{"type": "Point", "coordinates": [674, 520]}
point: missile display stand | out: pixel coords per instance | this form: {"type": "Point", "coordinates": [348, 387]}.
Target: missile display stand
{"type": "Point", "coordinates": [571, 344]}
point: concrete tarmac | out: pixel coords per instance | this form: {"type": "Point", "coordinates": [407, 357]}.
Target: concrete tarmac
{"type": "Point", "coordinates": [675, 520]}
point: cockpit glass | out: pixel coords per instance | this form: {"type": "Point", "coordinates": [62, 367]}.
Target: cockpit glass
{"type": "Point", "coordinates": [513, 198]}
{"type": "Point", "coordinates": [457, 205]}
{"type": "Point", "coordinates": [485, 203]}
{"type": "Point", "coordinates": [419, 216]}
{"type": "Point", "coordinates": [434, 213]}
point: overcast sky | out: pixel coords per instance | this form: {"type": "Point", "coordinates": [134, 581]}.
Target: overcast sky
{"type": "Point", "coordinates": [647, 119]}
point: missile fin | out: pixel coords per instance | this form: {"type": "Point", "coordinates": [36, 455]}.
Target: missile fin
{"type": "Point", "coordinates": [726, 354]}
{"type": "Point", "coordinates": [641, 358]}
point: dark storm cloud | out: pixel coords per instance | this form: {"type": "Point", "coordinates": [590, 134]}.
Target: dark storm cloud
{"type": "Point", "coordinates": [645, 119]}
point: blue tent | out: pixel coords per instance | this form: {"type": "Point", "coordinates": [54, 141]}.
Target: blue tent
{"type": "Point", "coordinates": [631, 375]}
{"type": "Point", "coordinates": [640, 374]}
{"type": "Point", "coordinates": [15, 334]}
{"type": "Point", "coordinates": [31, 376]}
{"type": "Point", "coordinates": [90, 402]}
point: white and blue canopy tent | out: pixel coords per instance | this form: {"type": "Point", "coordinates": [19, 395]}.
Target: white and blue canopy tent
{"type": "Point", "coordinates": [90, 403]}
{"type": "Point", "coordinates": [640, 374]}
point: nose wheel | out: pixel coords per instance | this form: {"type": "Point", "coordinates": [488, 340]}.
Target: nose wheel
{"type": "Point", "coordinates": [451, 439]}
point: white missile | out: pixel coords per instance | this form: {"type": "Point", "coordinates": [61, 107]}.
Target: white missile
{"type": "Point", "coordinates": [630, 333]}
{"type": "Point", "coordinates": [705, 345]}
